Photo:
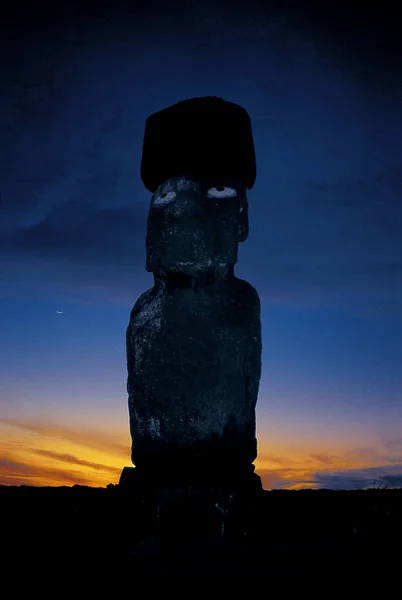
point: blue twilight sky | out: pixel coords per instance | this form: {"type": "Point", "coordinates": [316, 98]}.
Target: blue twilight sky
{"type": "Point", "coordinates": [324, 93]}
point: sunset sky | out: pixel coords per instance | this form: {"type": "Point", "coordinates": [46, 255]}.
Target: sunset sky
{"type": "Point", "coordinates": [324, 93]}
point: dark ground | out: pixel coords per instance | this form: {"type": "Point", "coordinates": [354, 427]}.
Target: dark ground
{"type": "Point", "coordinates": [287, 536]}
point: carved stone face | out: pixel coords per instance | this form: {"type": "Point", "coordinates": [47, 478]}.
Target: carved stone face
{"type": "Point", "coordinates": [195, 226]}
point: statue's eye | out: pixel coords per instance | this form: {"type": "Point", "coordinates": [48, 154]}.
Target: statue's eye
{"type": "Point", "coordinates": [164, 198]}
{"type": "Point", "coordinates": [221, 191]}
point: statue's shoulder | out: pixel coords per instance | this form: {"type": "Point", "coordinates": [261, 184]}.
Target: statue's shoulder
{"type": "Point", "coordinates": [140, 303]}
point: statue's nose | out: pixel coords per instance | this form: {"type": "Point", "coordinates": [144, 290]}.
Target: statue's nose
{"type": "Point", "coordinates": [185, 204]}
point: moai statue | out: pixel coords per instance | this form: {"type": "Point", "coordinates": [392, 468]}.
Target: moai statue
{"type": "Point", "coordinates": [194, 338]}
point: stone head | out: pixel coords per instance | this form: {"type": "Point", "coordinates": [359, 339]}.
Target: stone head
{"type": "Point", "coordinates": [198, 161]}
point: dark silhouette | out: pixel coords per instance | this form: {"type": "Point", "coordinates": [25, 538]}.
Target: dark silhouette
{"type": "Point", "coordinates": [194, 339]}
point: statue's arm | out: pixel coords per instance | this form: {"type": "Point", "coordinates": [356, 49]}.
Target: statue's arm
{"type": "Point", "coordinates": [130, 361]}
{"type": "Point", "coordinates": [130, 342]}
{"type": "Point", "coordinates": [253, 367]}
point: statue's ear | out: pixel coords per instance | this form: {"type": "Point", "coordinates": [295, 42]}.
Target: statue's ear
{"type": "Point", "coordinates": [242, 221]}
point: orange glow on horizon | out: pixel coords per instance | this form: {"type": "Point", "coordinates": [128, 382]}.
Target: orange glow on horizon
{"type": "Point", "coordinates": [45, 454]}
{"type": "Point", "coordinates": [52, 455]}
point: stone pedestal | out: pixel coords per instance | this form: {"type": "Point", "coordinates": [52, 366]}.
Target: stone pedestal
{"type": "Point", "coordinates": [201, 513]}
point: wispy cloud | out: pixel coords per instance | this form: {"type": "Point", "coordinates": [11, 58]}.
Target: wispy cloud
{"type": "Point", "coordinates": [394, 445]}
{"type": "Point", "coordinates": [288, 478]}
{"type": "Point", "coordinates": [69, 458]}
{"type": "Point", "coordinates": [322, 457]}
{"type": "Point", "coordinates": [99, 440]}
{"type": "Point", "coordinates": [91, 235]}
{"type": "Point", "coordinates": [18, 473]}
{"type": "Point", "coordinates": [390, 475]}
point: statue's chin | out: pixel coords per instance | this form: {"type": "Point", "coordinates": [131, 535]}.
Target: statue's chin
{"type": "Point", "coordinates": [203, 273]}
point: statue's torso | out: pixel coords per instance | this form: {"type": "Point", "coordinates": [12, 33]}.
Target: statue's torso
{"type": "Point", "coordinates": [189, 364]}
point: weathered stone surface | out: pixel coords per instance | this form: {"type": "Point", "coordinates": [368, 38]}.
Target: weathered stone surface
{"type": "Point", "coordinates": [194, 339]}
